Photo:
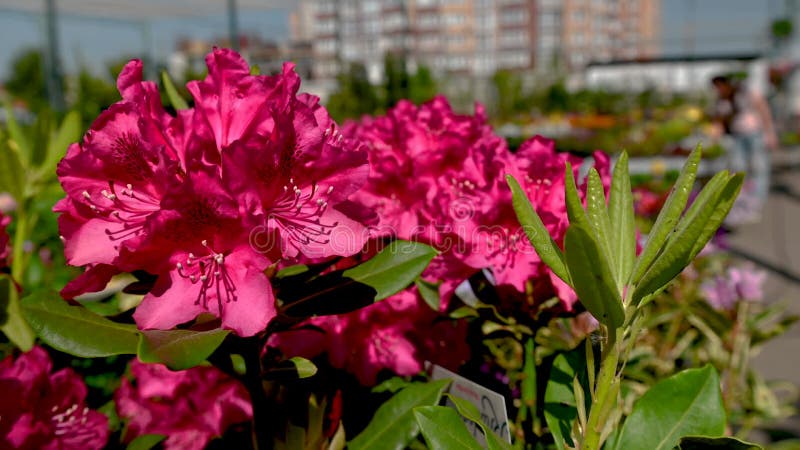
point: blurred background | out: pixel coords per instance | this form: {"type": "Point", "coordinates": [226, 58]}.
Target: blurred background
{"type": "Point", "coordinates": [591, 74]}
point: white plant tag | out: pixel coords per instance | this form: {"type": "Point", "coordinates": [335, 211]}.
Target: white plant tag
{"type": "Point", "coordinates": [490, 404]}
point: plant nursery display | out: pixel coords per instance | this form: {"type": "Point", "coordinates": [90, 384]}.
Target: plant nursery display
{"type": "Point", "coordinates": [238, 270]}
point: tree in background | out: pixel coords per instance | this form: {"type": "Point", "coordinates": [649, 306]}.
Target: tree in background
{"type": "Point", "coordinates": [26, 79]}
{"type": "Point", "coordinates": [397, 79]}
{"type": "Point", "coordinates": [355, 95]}
{"type": "Point", "coordinates": [511, 98]}
{"type": "Point", "coordinates": [422, 86]}
{"type": "Point", "coordinates": [93, 94]}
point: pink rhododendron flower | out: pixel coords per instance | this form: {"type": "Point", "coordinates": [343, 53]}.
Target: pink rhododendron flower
{"type": "Point", "coordinates": [208, 199]}
{"type": "Point", "coordinates": [397, 334]}
{"type": "Point", "coordinates": [44, 410]}
{"type": "Point", "coordinates": [5, 241]}
{"type": "Point", "coordinates": [439, 178]}
{"type": "Point", "coordinates": [190, 407]}
{"type": "Point", "coordinates": [433, 173]}
{"type": "Point", "coordinates": [743, 283]}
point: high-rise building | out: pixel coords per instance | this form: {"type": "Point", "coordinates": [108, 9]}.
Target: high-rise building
{"type": "Point", "coordinates": [475, 37]}
{"type": "Point", "coordinates": [573, 33]}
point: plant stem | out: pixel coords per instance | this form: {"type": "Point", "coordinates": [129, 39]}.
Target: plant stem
{"type": "Point", "coordinates": [20, 236]}
{"type": "Point", "coordinates": [255, 387]}
{"type": "Point", "coordinates": [603, 399]}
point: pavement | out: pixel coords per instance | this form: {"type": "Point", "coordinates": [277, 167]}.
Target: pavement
{"type": "Point", "coordinates": [773, 243]}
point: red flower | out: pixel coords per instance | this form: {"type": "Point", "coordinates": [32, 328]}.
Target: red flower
{"type": "Point", "coordinates": [190, 407]}
{"type": "Point", "coordinates": [397, 334]}
{"type": "Point", "coordinates": [43, 410]}
{"type": "Point", "coordinates": [208, 199]}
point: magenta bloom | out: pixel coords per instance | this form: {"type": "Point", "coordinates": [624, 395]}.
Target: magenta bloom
{"type": "Point", "coordinates": [397, 335]}
{"type": "Point", "coordinates": [434, 174]}
{"type": "Point", "coordinates": [190, 407]}
{"type": "Point", "coordinates": [208, 199]}
{"type": "Point", "coordinates": [439, 178]}
{"type": "Point", "coordinates": [44, 410]}
{"type": "Point", "coordinates": [5, 241]}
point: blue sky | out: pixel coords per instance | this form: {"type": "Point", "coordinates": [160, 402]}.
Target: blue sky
{"type": "Point", "coordinates": [702, 26]}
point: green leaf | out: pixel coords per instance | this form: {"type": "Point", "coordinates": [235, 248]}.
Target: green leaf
{"type": "Point", "coordinates": [668, 217]}
{"type": "Point", "coordinates": [76, 330]}
{"type": "Point", "coordinates": [19, 137]}
{"type": "Point", "coordinates": [597, 212]}
{"type": "Point", "coordinates": [391, 385]}
{"type": "Point", "coordinates": [725, 202]}
{"type": "Point", "coordinates": [442, 427]}
{"type": "Point", "coordinates": [468, 410]}
{"type": "Point", "coordinates": [292, 369]}
{"type": "Point", "coordinates": [680, 248]}
{"type": "Point", "coordinates": [591, 277]}
{"type": "Point", "coordinates": [575, 211]}
{"type": "Point", "coordinates": [12, 323]}
{"type": "Point", "coordinates": [528, 384]}
{"type": "Point", "coordinates": [560, 405]}
{"type": "Point", "coordinates": [394, 268]}
{"type": "Point", "coordinates": [178, 349]}
{"type": "Point", "coordinates": [623, 230]}
{"type": "Point", "coordinates": [68, 132]}
{"type": "Point", "coordinates": [464, 312]}
{"type": "Point", "coordinates": [12, 172]}
{"type": "Point", "coordinates": [687, 403]}
{"type": "Point", "coordinates": [537, 234]}
{"type": "Point", "coordinates": [387, 273]}
{"type": "Point", "coordinates": [146, 442]}
{"type": "Point", "coordinates": [291, 271]}
{"type": "Point", "coordinates": [174, 97]}
{"type": "Point", "coordinates": [722, 443]}
{"type": "Point", "coordinates": [429, 292]}
{"type": "Point", "coordinates": [393, 426]}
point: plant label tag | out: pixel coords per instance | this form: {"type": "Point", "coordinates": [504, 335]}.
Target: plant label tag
{"type": "Point", "coordinates": [490, 404]}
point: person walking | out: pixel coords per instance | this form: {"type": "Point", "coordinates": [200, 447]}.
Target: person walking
{"type": "Point", "coordinates": [744, 115]}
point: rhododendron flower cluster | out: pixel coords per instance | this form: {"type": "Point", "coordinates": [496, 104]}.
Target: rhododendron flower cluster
{"type": "Point", "coordinates": [207, 199]}
{"type": "Point", "coordinates": [439, 177]}
{"type": "Point", "coordinates": [190, 407]}
{"type": "Point", "coordinates": [42, 409]}
{"type": "Point", "coordinates": [5, 246]}
{"type": "Point", "coordinates": [398, 334]}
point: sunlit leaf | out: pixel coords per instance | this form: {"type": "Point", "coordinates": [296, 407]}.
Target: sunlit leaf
{"type": "Point", "coordinates": [592, 278]}
{"type": "Point", "coordinates": [537, 234]}
{"type": "Point", "coordinates": [575, 211]}
{"type": "Point", "coordinates": [12, 323]}
{"type": "Point", "coordinates": [294, 368]}
{"type": "Point", "coordinates": [12, 172]}
{"type": "Point", "coordinates": [680, 248]}
{"type": "Point", "coordinates": [687, 403]}
{"type": "Point", "coordinates": [429, 292]}
{"type": "Point", "coordinates": [393, 426]}
{"type": "Point", "coordinates": [76, 330]}
{"type": "Point", "coordinates": [174, 97]}
{"type": "Point", "coordinates": [668, 217]}
{"type": "Point", "coordinates": [178, 349]}
{"type": "Point", "coordinates": [468, 410]}
{"type": "Point", "coordinates": [442, 427]}
{"type": "Point", "coordinates": [388, 272]}
{"type": "Point", "coordinates": [623, 230]}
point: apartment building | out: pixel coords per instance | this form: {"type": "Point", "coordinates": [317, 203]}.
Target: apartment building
{"type": "Point", "coordinates": [475, 37]}
{"type": "Point", "coordinates": [573, 33]}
